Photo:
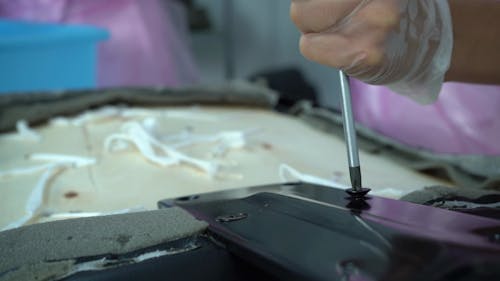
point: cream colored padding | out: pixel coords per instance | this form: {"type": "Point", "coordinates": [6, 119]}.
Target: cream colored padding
{"type": "Point", "coordinates": [124, 179]}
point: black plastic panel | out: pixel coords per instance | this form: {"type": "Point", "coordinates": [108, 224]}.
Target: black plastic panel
{"type": "Point", "coordinates": [307, 232]}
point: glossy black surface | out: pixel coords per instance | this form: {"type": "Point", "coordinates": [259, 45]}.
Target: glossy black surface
{"type": "Point", "coordinates": [307, 232]}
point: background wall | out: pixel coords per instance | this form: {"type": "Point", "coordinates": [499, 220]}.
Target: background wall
{"type": "Point", "coordinates": [264, 38]}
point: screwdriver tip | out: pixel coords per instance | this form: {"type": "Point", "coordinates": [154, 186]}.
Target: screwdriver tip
{"type": "Point", "coordinates": [355, 174]}
{"type": "Point", "coordinates": [357, 191]}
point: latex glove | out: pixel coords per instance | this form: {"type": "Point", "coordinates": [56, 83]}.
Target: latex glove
{"type": "Point", "coordinates": [404, 44]}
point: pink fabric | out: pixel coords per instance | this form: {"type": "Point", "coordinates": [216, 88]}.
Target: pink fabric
{"type": "Point", "coordinates": [147, 45]}
{"type": "Point", "coordinates": [464, 120]}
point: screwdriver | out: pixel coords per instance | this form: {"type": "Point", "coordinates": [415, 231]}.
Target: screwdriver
{"type": "Point", "coordinates": [357, 190]}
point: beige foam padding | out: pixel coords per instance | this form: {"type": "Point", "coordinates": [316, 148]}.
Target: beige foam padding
{"type": "Point", "coordinates": [88, 237]}
{"type": "Point", "coordinates": [125, 179]}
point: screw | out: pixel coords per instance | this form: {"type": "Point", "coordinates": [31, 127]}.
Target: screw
{"type": "Point", "coordinates": [231, 218]}
{"type": "Point", "coordinates": [358, 193]}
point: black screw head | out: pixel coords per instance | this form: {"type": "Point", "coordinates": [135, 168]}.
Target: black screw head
{"type": "Point", "coordinates": [358, 193]}
{"type": "Point", "coordinates": [231, 218]}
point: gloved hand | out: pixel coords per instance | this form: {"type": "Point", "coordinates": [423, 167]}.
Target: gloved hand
{"type": "Point", "coordinates": [404, 44]}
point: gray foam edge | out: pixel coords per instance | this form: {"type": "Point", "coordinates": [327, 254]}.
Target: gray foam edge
{"type": "Point", "coordinates": [41, 244]}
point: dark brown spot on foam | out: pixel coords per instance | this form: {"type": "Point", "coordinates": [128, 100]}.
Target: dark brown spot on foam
{"type": "Point", "coordinates": [267, 146]}
{"type": "Point", "coordinates": [338, 174]}
{"type": "Point", "coordinates": [71, 194]}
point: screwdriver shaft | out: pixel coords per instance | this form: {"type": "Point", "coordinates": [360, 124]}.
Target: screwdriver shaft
{"type": "Point", "coordinates": [350, 134]}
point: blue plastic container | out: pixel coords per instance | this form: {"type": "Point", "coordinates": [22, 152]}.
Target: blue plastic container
{"type": "Point", "coordinates": [47, 57]}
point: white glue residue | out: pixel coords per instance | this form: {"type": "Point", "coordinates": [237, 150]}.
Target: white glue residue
{"type": "Point", "coordinates": [35, 199]}
{"type": "Point", "coordinates": [74, 215]}
{"type": "Point", "coordinates": [25, 133]}
{"type": "Point", "coordinates": [108, 112]}
{"type": "Point", "coordinates": [142, 136]}
{"type": "Point", "coordinates": [288, 173]}
{"type": "Point", "coordinates": [153, 150]}
{"type": "Point", "coordinates": [388, 192]}
{"type": "Point", "coordinates": [76, 161]}
{"type": "Point", "coordinates": [106, 263]}
{"type": "Point", "coordinates": [151, 255]}
{"type": "Point", "coordinates": [224, 141]}
{"type": "Point", "coordinates": [24, 171]}
{"type": "Point", "coordinates": [192, 114]}
{"type": "Point", "coordinates": [57, 163]}
{"type": "Point", "coordinates": [100, 114]}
